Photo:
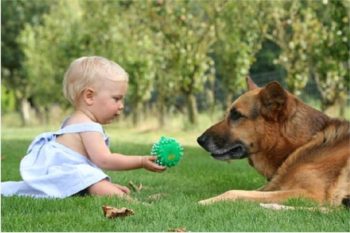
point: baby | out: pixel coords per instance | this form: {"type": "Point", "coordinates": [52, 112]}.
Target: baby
{"type": "Point", "coordinates": [70, 161]}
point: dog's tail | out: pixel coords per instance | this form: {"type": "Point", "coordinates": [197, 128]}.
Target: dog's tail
{"type": "Point", "coordinates": [346, 202]}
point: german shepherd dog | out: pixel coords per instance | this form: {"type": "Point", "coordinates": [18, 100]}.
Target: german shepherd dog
{"type": "Point", "coordinates": [302, 152]}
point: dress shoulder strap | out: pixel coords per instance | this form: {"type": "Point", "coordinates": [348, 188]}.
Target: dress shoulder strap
{"type": "Point", "coordinates": [74, 128]}
{"type": "Point", "coordinates": [81, 127]}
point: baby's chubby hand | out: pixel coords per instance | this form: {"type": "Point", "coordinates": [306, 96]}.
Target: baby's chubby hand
{"type": "Point", "coordinates": [148, 162]}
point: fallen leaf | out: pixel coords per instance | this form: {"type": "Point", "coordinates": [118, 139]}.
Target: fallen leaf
{"type": "Point", "coordinates": [178, 229]}
{"type": "Point", "coordinates": [135, 187]}
{"type": "Point", "coordinates": [112, 212]}
{"type": "Point", "coordinates": [155, 197]}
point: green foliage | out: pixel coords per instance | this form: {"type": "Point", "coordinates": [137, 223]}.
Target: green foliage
{"type": "Point", "coordinates": [175, 50]}
{"type": "Point", "coordinates": [240, 37]}
{"type": "Point", "coordinates": [295, 30]}
{"type": "Point", "coordinates": [49, 48]}
{"type": "Point", "coordinates": [14, 16]}
{"type": "Point", "coordinates": [137, 55]}
{"type": "Point", "coordinates": [313, 36]}
{"type": "Point", "coordinates": [8, 100]}
{"type": "Point", "coordinates": [183, 35]}
{"type": "Point", "coordinates": [330, 55]}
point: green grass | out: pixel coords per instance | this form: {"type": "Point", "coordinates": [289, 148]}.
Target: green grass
{"type": "Point", "coordinates": [197, 176]}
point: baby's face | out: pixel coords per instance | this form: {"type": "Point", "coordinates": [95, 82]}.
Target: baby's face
{"type": "Point", "coordinates": [108, 101]}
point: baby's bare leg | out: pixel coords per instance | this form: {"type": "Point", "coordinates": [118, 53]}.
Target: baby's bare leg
{"type": "Point", "coordinates": [106, 188]}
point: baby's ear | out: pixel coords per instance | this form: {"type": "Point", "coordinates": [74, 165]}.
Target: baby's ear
{"type": "Point", "coordinates": [88, 95]}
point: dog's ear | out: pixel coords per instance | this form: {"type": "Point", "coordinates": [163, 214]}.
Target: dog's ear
{"type": "Point", "coordinates": [273, 99]}
{"type": "Point", "coordinates": [250, 83]}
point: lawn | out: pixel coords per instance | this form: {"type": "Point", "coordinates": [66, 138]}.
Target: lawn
{"type": "Point", "coordinates": [167, 200]}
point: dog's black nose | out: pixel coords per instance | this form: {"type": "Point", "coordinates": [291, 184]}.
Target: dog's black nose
{"type": "Point", "coordinates": [202, 140]}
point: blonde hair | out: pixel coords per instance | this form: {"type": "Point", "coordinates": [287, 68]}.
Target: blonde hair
{"type": "Point", "coordinates": [85, 71]}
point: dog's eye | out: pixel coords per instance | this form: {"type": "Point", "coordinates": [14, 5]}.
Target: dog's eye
{"type": "Point", "coordinates": [235, 115]}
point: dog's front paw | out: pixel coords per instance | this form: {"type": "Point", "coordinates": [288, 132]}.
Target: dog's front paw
{"type": "Point", "coordinates": [227, 196]}
{"type": "Point", "coordinates": [206, 202]}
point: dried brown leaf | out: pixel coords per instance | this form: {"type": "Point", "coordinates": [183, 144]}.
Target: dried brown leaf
{"type": "Point", "coordinates": [135, 187]}
{"type": "Point", "coordinates": [112, 212]}
{"type": "Point", "coordinates": [156, 197]}
{"type": "Point", "coordinates": [178, 229]}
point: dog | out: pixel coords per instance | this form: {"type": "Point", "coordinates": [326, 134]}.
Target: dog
{"type": "Point", "coordinates": [302, 152]}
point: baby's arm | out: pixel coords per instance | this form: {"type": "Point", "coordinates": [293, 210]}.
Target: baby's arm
{"type": "Point", "coordinates": [100, 154]}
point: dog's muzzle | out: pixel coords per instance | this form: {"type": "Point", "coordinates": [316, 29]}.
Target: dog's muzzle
{"type": "Point", "coordinates": [221, 149]}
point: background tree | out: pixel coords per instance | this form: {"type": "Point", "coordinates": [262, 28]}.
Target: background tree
{"type": "Point", "coordinates": [45, 62]}
{"type": "Point", "coordinates": [137, 56]}
{"type": "Point", "coordinates": [166, 85]}
{"type": "Point", "coordinates": [174, 51]}
{"type": "Point", "coordinates": [330, 54]}
{"type": "Point", "coordinates": [313, 37]}
{"type": "Point", "coordinates": [14, 16]}
{"type": "Point", "coordinates": [295, 30]}
{"type": "Point", "coordinates": [240, 37]}
{"type": "Point", "coordinates": [188, 35]}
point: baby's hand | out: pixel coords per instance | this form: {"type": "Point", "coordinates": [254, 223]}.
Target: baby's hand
{"type": "Point", "coordinates": [148, 162]}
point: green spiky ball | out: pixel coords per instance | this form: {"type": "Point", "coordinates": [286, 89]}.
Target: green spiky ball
{"type": "Point", "coordinates": [168, 151]}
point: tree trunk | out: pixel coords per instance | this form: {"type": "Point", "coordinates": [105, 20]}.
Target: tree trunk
{"type": "Point", "coordinates": [25, 112]}
{"type": "Point", "coordinates": [192, 110]}
{"type": "Point", "coordinates": [161, 112]}
{"type": "Point", "coordinates": [211, 102]}
{"type": "Point", "coordinates": [136, 113]}
{"type": "Point", "coordinates": [39, 114]}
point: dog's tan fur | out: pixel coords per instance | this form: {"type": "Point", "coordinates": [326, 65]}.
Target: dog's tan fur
{"type": "Point", "coordinates": [301, 151]}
